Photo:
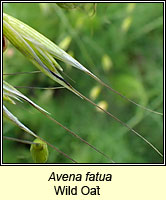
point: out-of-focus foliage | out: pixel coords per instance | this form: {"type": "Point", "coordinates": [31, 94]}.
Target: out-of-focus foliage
{"type": "Point", "coordinates": [121, 44]}
{"type": "Point", "coordinates": [68, 5]}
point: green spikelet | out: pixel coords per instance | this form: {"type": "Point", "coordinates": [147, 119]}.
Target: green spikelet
{"type": "Point", "coordinates": [39, 151]}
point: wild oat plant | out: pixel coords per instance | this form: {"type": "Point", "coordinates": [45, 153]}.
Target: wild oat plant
{"type": "Point", "coordinates": [44, 54]}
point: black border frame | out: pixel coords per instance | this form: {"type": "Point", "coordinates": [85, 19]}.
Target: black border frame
{"type": "Point", "coordinates": [87, 164]}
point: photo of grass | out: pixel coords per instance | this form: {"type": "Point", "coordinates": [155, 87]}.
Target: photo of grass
{"type": "Point", "coordinates": [83, 83]}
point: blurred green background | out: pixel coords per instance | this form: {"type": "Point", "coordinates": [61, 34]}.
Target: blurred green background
{"type": "Point", "coordinates": [122, 43]}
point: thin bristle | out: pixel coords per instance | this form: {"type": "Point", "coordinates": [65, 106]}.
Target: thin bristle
{"type": "Point", "coordinates": [124, 97]}
{"type": "Point", "coordinates": [124, 124]}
